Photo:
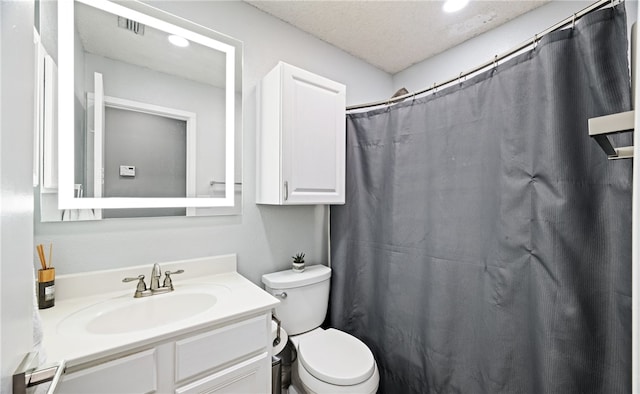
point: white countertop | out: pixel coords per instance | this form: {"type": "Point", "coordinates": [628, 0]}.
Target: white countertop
{"type": "Point", "coordinates": [241, 298]}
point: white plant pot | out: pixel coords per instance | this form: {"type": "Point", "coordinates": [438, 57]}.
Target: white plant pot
{"type": "Point", "coordinates": [297, 267]}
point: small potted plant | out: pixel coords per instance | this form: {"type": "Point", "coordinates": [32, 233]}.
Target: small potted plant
{"type": "Point", "coordinates": [298, 262]}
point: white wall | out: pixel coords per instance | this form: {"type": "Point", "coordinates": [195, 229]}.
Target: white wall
{"type": "Point", "coordinates": [264, 237]}
{"type": "Point", "coordinates": [483, 48]}
{"type": "Point", "coordinates": [17, 76]}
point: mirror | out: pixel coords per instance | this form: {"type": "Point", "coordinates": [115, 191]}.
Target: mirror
{"type": "Point", "coordinates": [146, 127]}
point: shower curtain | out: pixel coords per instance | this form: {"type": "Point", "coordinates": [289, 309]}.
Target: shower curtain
{"type": "Point", "coordinates": [485, 245]}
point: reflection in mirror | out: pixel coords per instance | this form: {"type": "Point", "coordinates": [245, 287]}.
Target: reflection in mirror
{"type": "Point", "coordinates": [153, 125]}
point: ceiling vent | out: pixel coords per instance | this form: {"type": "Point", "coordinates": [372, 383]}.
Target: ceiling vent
{"type": "Point", "coordinates": [133, 26]}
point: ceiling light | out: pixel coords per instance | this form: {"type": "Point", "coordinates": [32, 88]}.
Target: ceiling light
{"type": "Point", "coordinates": [178, 41]}
{"type": "Point", "coordinates": [454, 5]}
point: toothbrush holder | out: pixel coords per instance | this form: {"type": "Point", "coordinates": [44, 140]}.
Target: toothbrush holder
{"type": "Point", "coordinates": [46, 288]}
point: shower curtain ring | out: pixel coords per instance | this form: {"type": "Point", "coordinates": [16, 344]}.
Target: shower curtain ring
{"type": "Point", "coordinates": [495, 62]}
{"type": "Point", "coordinates": [434, 88]}
{"type": "Point", "coordinates": [460, 78]}
{"type": "Point", "coordinates": [535, 40]}
{"type": "Point", "coordinates": [573, 22]}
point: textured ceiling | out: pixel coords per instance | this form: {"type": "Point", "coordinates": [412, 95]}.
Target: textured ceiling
{"type": "Point", "coordinates": [393, 35]}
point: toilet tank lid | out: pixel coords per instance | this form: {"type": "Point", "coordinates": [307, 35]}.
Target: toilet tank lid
{"type": "Point", "coordinates": [289, 279]}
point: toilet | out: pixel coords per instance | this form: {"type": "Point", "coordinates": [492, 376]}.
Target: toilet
{"type": "Point", "coordinates": [329, 361]}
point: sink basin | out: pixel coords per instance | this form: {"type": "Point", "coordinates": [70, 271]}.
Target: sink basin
{"type": "Point", "coordinates": [125, 314]}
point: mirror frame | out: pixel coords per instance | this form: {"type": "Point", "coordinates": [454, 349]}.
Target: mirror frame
{"type": "Point", "coordinates": [163, 21]}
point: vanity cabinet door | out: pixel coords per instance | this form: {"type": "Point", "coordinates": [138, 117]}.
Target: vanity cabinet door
{"type": "Point", "coordinates": [250, 376]}
{"type": "Point", "coordinates": [131, 374]}
{"type": "Point", "coordinates": [214, 349]}
{"type": "Point", "coordinates": [301, 138]}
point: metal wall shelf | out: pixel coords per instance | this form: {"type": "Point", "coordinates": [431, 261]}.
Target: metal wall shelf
{"type": "Point", "coordinates": [602, 126]}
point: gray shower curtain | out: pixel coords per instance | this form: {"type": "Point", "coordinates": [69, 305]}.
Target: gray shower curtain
{"type": "Point", "coordinates": [485, 243]}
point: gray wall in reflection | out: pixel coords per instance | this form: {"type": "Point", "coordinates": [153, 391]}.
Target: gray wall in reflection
{"type": "Point", "coordinates": [157, 147]}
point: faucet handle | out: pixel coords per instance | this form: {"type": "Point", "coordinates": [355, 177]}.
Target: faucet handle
{"type": "Point", "coordinates": [141, 285]}
{"type": "Point", "coordinates": [139, 277]}
{"type": "Point", "coordinates": [167, 278]}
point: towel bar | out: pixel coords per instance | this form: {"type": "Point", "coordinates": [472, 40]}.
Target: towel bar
{"type": "Point", "coordinates": [29, 374]}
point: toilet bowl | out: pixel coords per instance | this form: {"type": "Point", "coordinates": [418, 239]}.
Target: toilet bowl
{"type": "Point", "coordinates": [332, 361]}
{"type": "Point", "coordinates": [329, 361]}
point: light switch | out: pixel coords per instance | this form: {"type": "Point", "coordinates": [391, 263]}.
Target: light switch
{"type": "Point", "coordinates": [127, 170]}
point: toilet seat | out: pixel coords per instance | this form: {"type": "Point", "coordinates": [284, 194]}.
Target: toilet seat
{"type": "Point", "coordinates": [336, 357]}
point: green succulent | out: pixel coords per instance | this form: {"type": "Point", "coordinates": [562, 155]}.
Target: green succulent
{"type": "Point", "coordinates": [298, 258]}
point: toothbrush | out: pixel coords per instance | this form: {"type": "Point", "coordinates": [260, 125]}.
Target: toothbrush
{"type": "Point", "coordinates": [43, 260]}
{"type": "Point", "coordinates": [50, 255]}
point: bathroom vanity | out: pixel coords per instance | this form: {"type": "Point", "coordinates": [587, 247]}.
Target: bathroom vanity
{"type": "Point", "coordinates": [211, 334]}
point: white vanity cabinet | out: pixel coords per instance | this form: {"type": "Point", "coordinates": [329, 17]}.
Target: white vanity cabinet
{"type": "Point", "coordinates": [301, 138]}
{"type": "Point", "coordinates": [229, 358]}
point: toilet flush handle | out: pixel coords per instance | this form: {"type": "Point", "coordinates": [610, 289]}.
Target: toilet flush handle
{"type": "Point", "coordinates": [282, 295]}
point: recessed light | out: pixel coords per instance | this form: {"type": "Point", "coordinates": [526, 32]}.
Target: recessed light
{"type": "Point", "coordinates": [454, 5]}
{"type": "Point", "coordinates": [178, 41]}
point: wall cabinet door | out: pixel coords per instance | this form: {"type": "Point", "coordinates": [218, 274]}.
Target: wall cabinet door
{"type": "Point", "coordinates": [301, 138]}
{"type": "Point", "coordinates": [250, 376]}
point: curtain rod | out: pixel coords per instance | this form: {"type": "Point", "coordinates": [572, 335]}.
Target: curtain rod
{"type": "Point", "coordinates": [494, 62]}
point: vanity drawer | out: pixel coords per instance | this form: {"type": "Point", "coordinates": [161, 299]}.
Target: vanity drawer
{"type": "Point", "coordinates": [132, 374]}
{"type": "Point", "coordinates": [215, 348]}
{"type": "Point", "coordinates": [250, 376]}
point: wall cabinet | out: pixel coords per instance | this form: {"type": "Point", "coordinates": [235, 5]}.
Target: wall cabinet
{"type": "Point", "coordinates": [233, 358]}
{"type": "Point", "coordinates": [301, 138]}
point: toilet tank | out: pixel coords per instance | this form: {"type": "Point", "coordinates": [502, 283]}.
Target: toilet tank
{"type": "Point", "coordinates": [307, 296]}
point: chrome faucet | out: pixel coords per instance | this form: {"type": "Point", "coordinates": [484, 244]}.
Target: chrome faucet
{"type": "Point", "coordinates": [154, 287]}
{"type": "Point", "coordinates": [155, 277]}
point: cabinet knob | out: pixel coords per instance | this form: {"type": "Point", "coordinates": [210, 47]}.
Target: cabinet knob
{"type": "Point", "coordinates": [286, 190]}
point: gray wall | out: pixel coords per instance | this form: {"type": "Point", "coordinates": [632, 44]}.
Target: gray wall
{"type": "Point", "coordinates": [157, 147]}
{"type": "Point", "coordinates": [264, 237]}
{"type": "Point", "coordinates": [16, 186]}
